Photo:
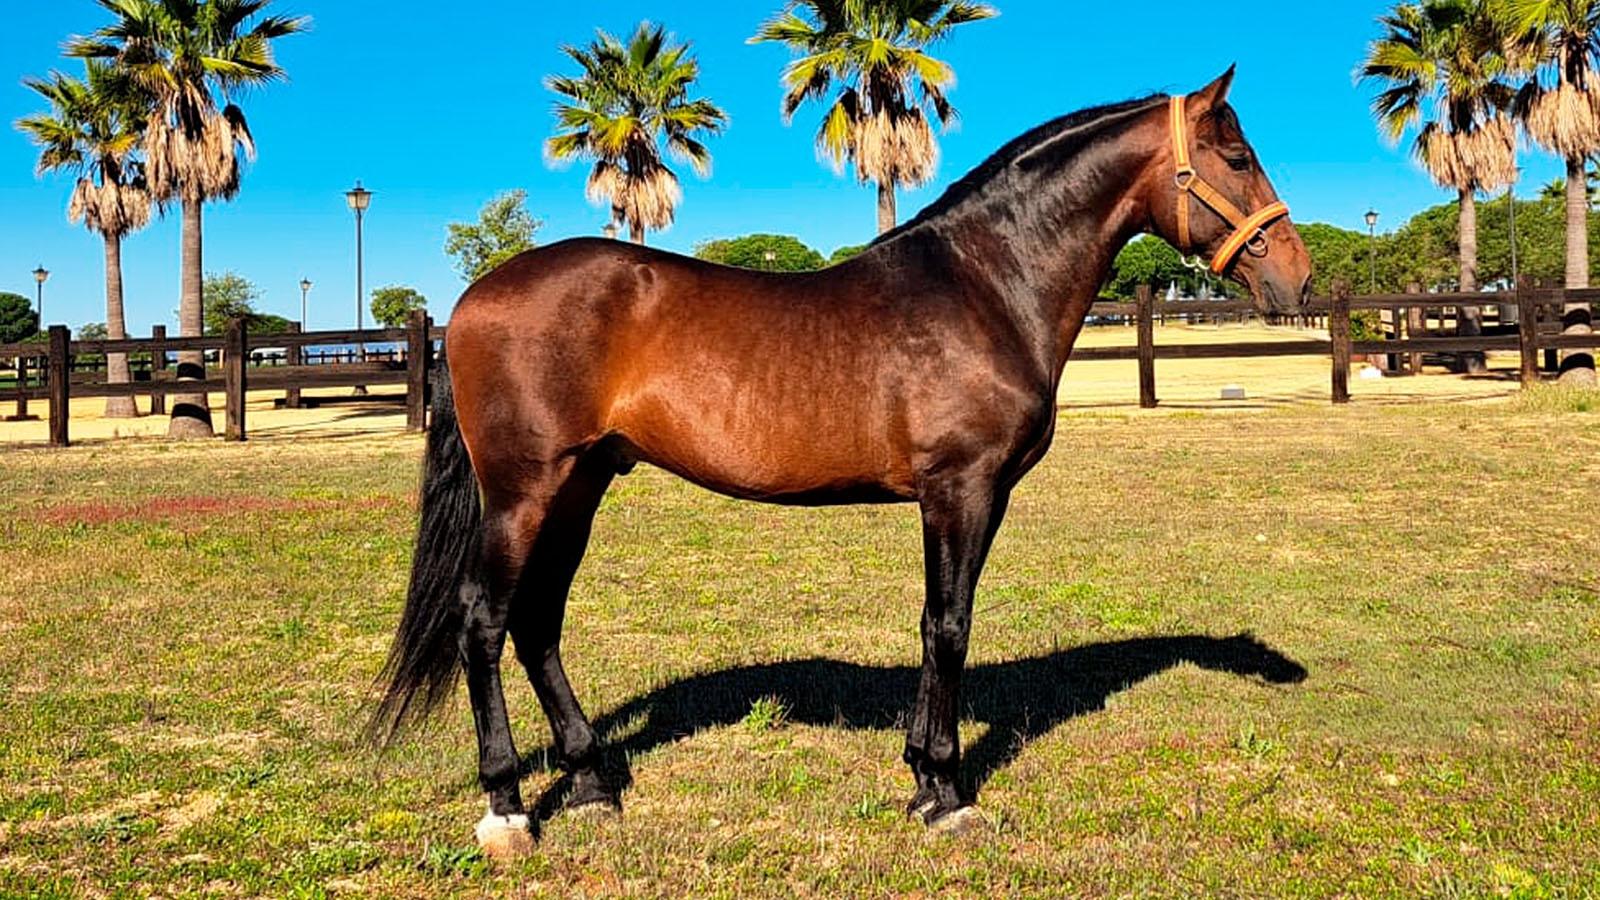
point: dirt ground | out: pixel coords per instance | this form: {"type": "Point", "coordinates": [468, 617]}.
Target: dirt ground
{"type": "Point", "coordinates": [1086, 387]}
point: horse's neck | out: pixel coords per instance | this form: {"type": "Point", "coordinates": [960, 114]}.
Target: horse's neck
{"type": "Point", "coordinates": [1043, 243]}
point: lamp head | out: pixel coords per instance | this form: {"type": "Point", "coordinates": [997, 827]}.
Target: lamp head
{"type": "Point", "coordinates": [358, 197]}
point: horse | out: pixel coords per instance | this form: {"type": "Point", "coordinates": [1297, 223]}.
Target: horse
{"type": "Point", "coordinates": [925, 370]}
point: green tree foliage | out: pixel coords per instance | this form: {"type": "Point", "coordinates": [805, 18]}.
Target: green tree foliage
{"type": "Point", "coordinates": [504, 229]}
{"type": "Point", "coordinates": [17, 318]}
{"type": "Point", "coordinates": [92, 331]}
{"type": "Point", "coordinates": [847, 252]}
{"type": "Point", "coordinates": [1151, 260]}
{"type": "Point", "coordinates": [750, 252]}
{"type": "Point", "coordinates": [392, 306]}
{"type": "Point", "coordinates": [231, 295]}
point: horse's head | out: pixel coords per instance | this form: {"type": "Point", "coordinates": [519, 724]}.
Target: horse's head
{"type": "Point", "coordinates": [1212, 199]}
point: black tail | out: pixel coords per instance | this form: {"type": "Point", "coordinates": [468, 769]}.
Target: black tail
{"type": "Point", "coordinates": [423, 662]}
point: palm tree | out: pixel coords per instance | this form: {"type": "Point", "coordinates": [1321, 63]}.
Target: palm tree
{"type": "Point", "coordinates": [1445, 63]}
{"type": "Point", "coordinates": [1555, 191]}
{"type": "Point", "coordinates": [629, 98]}
{"type": "Point", "coordinates": [93, 130]}
{"type": "Point", "coordinates": [875, 51]}
{"type": "Point", "coordinates": [189, 56]}
{"type": "Point", "coordinates": [1565, 119]}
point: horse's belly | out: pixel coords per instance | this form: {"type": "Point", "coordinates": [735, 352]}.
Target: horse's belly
{"type": "Point", "coordinates": [802, 452]}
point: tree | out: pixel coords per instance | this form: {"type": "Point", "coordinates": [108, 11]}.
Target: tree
{"type": "Point", "coordinates": [18, 320]}
{"type": "Point", "coordinates": [190, 57]}
{"type": "Point", "coordinates": [232, 296]}
{"type": "Point", "coordinates": [850, 251]}
{"type": "Point", "coordinates": [629, 100]}
{"type": "Point", "coordinates": [874, 51]}
{"type": "Point", "coordinates": [392, 306]}
{"type": "Point", "coordinates": [504, 229]}
{"type": "Point", "coordinates": [93, 130]}
{"type": "Point", "coordinates": [1151, 260]}
{"type": "Point", "coordinates": [1444, 64]}
{"type": "Point", "coordinates": [95, 331]}
{"type": "Point", "coordinates": [750, 252]}
{"type": "Point", "coordinates": [1564, 118]}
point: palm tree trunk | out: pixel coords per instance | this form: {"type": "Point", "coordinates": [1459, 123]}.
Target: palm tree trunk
{"type": "Point", "coordinates": [1469, 319]}
{"type": "Point", "coordinates": [117, 371]}
{"type": "Point", "coordinates": [886, 213]}
{"type": "Point", "coordinates": [1577, 366]}
{"type": "Point", "coordinates": [191, 417]}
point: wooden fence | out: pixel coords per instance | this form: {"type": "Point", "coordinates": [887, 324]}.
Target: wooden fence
{"type": "Point", "coordinates": [297, 368]}
{"type": "Point", "coordinates": [292, 370]}
{"type": "Point", "coordinates": [1535, 331]}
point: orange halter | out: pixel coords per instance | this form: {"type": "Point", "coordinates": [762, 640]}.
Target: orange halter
{"type": "Point", "coordinates": [1248, 231]}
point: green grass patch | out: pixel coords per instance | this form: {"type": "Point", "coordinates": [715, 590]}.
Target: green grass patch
{"type": "Point", "coordinates": [189, 638]}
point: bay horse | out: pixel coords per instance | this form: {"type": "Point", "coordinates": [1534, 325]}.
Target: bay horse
{"type": "Point", "coordinates": [924, 370]}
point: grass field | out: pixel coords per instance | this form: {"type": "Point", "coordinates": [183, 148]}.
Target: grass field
{"type": "Point", "coordinates": [188, 637]}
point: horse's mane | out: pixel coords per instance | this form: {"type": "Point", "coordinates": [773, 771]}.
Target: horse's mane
{"type": "Point", "coordinates": [1083, 122]}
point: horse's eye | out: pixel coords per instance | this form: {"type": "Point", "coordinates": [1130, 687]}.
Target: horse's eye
{"type": "Point", "coordinates": [1238, 163]}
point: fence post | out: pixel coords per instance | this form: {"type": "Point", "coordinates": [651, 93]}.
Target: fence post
{"type": "Point", "coordinates": [417, 347]}
{"type": "Point", "coordinates": [60, 384]}
{"type": "Point", "coordinates": [291, 396]}
{"type": "Point", "coordinates": [1339, 332]}
{"type": "Point", "coordinates": [22, 414]}
{"type": "Point", "coordinates": [1145, 305]}
{"type": "Point", "coordinates": [1528, 330]}
{"type": "Point", "coordinates": [1416, 326]}
{"type": "Point", "coordinates": [234, 356]}
{"type": "Point", "coordinates": [158, 364]}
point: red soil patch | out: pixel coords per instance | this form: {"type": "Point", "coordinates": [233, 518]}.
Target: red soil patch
{"type": "Point", "coordinates": [170, 509]}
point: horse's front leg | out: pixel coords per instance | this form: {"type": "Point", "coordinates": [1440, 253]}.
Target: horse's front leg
{"type": "Point", "coordinates": [959, 520]}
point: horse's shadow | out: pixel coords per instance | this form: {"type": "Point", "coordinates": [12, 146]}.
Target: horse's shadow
{"type": "Point", "coordinates": [1020, 700]}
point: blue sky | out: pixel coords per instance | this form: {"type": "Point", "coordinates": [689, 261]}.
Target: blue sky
{"type": "Point", "coordinates": [437, 107]}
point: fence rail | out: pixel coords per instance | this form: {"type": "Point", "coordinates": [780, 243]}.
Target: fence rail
{"type": "Point", "coordinates": [294, 370]}
{"type": "Point", "coordinates": [60, 381]}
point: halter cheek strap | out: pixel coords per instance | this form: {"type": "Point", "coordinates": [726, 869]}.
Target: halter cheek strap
{"type": "Point", "coordinates": [1247, 230]}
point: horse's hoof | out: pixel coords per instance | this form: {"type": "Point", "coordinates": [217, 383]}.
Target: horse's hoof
{"type": "Point", "coordinates": [505, 837]}
{"type": "Point", "coordinates": [957, 822]}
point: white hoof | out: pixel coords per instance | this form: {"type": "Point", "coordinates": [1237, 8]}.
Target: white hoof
{"type": "Point", "coordinates": [505, 837]}
{"type": "Point", "coordinates": [965, 820]}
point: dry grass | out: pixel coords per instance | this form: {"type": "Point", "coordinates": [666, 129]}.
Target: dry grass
{"type": "Point", "coordinates": [178, 697]}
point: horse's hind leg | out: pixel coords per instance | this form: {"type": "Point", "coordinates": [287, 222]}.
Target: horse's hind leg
{"type": "Point", "coordinates": [504, 830]}
{"type": "Point", "coordinates": [536, 618]}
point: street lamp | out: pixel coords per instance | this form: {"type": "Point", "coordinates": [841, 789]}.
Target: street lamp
{"type": "Point", "coordinates": [1372, 247]}
{"type": "Point", "coordinates": [359, 199]}
{"type": "Point", "coordinates": [610, 231]}
{"type": "Point", "coordinates": [40, 276]}
{"type": "Point", "coordinates": [305, 288]}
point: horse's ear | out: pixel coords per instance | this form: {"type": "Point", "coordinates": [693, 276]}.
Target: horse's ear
{"type": "Point", "coordinates": [1214, 94]}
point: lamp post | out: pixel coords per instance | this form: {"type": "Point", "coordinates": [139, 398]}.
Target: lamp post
{"type": "Point", "coordinates": [305, 288]}
{"type": "Point", "coordinates": [1372, 247]}
{"type": "Point", "coordinates": [359, 199]}
{"type": "Point", "coordinates": [40, 276]}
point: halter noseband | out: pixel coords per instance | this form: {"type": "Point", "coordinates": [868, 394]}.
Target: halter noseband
{"type": "Point", "coordinates": [1248, 231]}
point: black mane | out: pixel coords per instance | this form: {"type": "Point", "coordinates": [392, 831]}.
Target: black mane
{"type": "Point", "coordinates": [1038, 136]}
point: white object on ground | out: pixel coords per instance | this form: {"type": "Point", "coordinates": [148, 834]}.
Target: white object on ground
{"type": "Point", "coordinates": [1232, 392]}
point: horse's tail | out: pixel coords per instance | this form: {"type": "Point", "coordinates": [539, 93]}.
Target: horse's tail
{"type": "Point", "coordinates": [423, 664]}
